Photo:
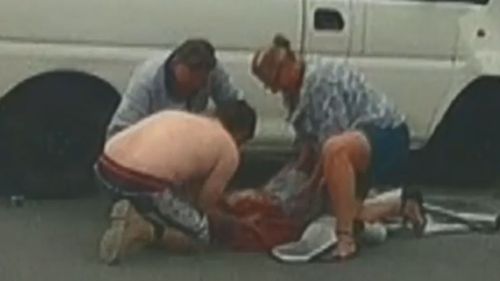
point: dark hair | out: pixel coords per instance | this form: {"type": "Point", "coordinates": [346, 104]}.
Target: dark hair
{"type": "Point", "coordinates": [197, 54]}
{"type": "Point", "coordinates": [237, 116]}
{"type": "Point", "coordinates": [281, 42]}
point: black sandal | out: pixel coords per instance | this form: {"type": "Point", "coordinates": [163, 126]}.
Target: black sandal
{"type": "Point", "coordinates": [333, 255]}
{"type": "Point", "coordinates": [415, 196]}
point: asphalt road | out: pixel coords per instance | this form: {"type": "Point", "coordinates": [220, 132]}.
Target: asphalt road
{"type": "Point", "coordinates": [57, 240]}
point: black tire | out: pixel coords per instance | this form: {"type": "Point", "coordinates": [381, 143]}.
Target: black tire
{"type": "Point", "coordinates": [465, 148]}
{"type": "Point", "coordinates": [52, 129]}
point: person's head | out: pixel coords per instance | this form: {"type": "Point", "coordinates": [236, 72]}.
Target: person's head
{"type": "Point", "coordinates": [279, 69]}
{"type": "Point", "coordinates": [238, 118]}
{"type": "Point", "coordinates": [191, 64]}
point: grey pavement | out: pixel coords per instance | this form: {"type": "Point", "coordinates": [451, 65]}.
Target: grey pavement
{"type": "Point", "coordinates": [57, 240]}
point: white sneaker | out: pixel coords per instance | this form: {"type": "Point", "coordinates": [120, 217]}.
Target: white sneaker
{"type": "Point", "coordinates": [373, 233]}
{"type": "Point", "coordinates": [128, 231]}
{"type": "Point", "coordinates": [318, 237]}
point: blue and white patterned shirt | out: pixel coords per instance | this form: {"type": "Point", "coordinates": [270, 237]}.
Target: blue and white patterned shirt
{"type": "Point", "coordinates": [335, 99]}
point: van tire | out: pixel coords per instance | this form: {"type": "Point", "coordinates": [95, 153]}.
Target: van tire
{"type": "Point", "coordinates": [465, 147]}
{"type": "Point", "coordinates": [52, 129]}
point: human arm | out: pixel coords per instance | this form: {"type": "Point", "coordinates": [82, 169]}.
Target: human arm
{"type": "Point", "coordinates": [222, 87]}
{"type": "Point", "coordinates": [135, 105]}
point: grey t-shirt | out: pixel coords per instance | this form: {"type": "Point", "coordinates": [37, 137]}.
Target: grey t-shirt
{"type": "Point", "coordinates": [147, 93]}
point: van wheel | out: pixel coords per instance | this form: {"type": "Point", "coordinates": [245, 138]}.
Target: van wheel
{"type": "Point", "coordinates": [465, 148]}
{"type": "Point", "coordinates": [52, 128]}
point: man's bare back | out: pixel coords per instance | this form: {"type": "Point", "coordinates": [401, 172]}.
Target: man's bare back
{"type": "Point", "coordinates": [178, 147]}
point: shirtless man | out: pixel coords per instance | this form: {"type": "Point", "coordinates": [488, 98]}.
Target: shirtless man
{"type": "Point", "coordinates": [167, 174]}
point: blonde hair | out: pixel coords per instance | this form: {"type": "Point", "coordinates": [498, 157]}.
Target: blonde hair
{"type": "Point", "coordinates": [267, 62]}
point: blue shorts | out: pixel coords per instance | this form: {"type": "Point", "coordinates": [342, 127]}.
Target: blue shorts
{"type": "Point", "coordinates": [389, 153]}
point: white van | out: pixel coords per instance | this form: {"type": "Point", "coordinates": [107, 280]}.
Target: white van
{"type": "Point", "coordinates": [439, 60]}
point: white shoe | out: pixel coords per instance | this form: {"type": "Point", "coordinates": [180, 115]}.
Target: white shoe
{"type": "Point", "coordinates": [318, 237]}
{"type": "Point", "coordinates": [373, 233]}
{"type": "Point", "coordinates": [129, 231]}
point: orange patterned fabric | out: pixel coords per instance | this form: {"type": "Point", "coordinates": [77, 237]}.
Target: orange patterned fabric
{"type": "Point", "coordinates": [274, 226]}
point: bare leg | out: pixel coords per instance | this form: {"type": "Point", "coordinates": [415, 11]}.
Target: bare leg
{"type": "Point", "coordinates": [388, 205]}
{"type": "Point", "coordinates": [381, 207]}
{"type": "Point", "coordinates": [345, 157]}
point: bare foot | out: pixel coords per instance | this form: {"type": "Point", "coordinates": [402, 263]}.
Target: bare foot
{"type": "Point", "coordinates": [414, 213]}
{"type": "Point", "coordinates": [346, 247]}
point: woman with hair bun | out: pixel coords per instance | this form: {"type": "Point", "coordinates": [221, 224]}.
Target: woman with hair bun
{"type": "Point", "coordinates": [348, 135]}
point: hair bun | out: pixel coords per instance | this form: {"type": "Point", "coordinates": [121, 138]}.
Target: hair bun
{"type": "Point", "coordinates": [281, 41]}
